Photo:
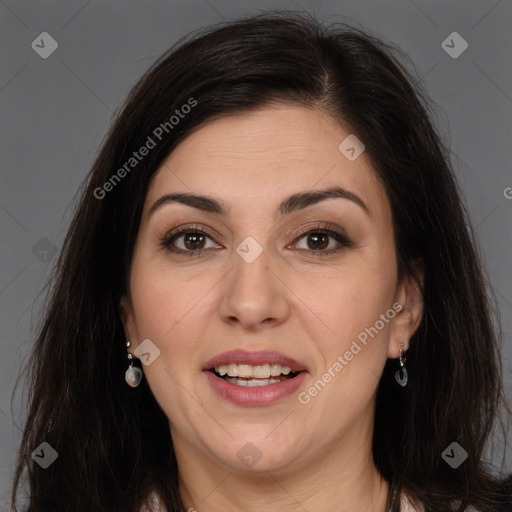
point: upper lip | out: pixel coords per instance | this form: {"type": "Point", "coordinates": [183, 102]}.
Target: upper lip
{"type": "Point", "coordinates": [254, 358]}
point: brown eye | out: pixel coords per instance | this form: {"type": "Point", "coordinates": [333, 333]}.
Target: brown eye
{"type": "Point", "coordinates": [193, 240]}
{"type": "Point", "coordinates": [188, 241]}
{"type": "Point", "coordinates": [318, 241]}
{"type": "Point", "coordinates": [319, 238]}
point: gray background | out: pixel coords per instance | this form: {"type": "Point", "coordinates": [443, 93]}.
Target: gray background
{"type": "Point", "coordinates": [54, 113]}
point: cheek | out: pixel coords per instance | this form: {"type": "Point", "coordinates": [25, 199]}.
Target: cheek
{"type": "Point", "coordinates": [161, 297]}
{"type": "Point", "coordinates": [157, 310]}
{"type": "Point", "coordinates": [173, 310]}
{"type": "Point", "coordinates": [165, 313]}
{"type": "Point", "coordinates": [351, 345]}
{"type": "Point", "coordinates": [350, 303]}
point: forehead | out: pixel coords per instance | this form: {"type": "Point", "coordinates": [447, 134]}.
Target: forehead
{"type": "Point", "coordinates": [264, 155]}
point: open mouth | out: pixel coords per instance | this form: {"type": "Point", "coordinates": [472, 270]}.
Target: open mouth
{"type": "Point", "coordinates": [258, 381]}
{"type": "Point", "coordinates": [253, 376]}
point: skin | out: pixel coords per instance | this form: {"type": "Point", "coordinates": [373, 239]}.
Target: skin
{"type": "Point", "coordinates": [316, 456]}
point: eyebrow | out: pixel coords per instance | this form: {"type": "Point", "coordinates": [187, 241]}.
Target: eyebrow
{"type": "Point", "coordinates": [291, 204]}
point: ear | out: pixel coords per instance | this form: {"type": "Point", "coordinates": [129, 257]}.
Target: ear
{"type": "Point", "coordinates": [127, 317]}
{"type": "Point", "coordinates": [409, 295]}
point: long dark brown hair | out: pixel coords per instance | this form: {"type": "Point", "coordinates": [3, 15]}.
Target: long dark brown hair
{"type": "Point", "coordinates": [109, 437]}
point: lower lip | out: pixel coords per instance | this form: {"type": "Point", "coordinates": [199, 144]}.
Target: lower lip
{"type": "Point", "coordinates": [254, 396]}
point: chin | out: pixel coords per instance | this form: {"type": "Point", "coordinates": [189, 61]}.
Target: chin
{"type": "Point", "coordinates": [257, 453]}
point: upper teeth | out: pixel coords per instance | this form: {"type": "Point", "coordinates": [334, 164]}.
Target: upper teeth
{"type": "Point", "coordinates": [261, 371]}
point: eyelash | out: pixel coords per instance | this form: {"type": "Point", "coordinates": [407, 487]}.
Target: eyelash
{"type": "Point", "coordinates": [324, 229]}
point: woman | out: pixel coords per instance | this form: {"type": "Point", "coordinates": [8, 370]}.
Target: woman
{"type": "Point", "coordinates": [330, 344]}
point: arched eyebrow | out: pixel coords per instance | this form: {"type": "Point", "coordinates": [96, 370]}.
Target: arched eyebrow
{"type": "Point", "coordinates": [292, 203]}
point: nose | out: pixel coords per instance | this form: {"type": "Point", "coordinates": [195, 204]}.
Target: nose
{"type": "Point", "coordinates": [254, 295]}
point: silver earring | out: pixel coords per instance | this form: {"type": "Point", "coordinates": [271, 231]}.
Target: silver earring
{"type": "Point", "coordinates": [133, 374]}
{"type": "Point", "coordinates": [401, 374]}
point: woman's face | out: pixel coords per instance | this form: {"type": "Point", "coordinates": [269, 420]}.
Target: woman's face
{"type": "Point", "coordinates": [287, 276]}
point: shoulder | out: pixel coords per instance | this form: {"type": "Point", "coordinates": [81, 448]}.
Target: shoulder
{"type": "Point", "coordinates": [155, 504]}
{"type": "Point", "coordinates": [506, 498]}
{"type": "Point", "coordinates": [407, 506]}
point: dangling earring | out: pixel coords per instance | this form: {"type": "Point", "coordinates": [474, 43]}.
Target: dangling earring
{"type": "Point", "coordinates": [133, 374]}
{"type": "Point", "coordinates": [401, 374]}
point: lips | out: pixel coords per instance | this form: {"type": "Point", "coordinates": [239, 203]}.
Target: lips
{"type": "Point", "coordinates": [254, 391]}
{"type": "Point", "coordinates": [254, 359]}
{"type": "Point", "coordinates": [254, 396]}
